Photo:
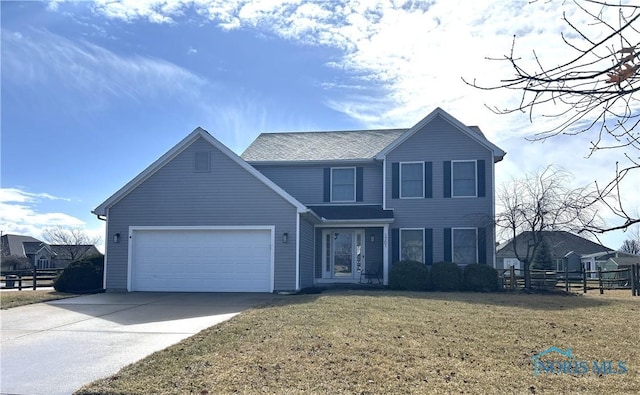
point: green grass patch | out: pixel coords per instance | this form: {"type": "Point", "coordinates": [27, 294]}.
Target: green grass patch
{"type": "Point", "coordinates": [24, 297]}
{"type": "Point", "coordinates": [396, 343]}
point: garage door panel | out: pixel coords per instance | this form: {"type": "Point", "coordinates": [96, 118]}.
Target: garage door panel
{"type": "Point", "coordinates": [202, 260]}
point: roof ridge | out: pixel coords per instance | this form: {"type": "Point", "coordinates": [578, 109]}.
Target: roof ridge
{"type": "Point", "coordinates": [337, 131]}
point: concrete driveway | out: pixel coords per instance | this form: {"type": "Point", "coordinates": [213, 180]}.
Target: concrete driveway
{"type": "Point", "coordinates": [56, 347]}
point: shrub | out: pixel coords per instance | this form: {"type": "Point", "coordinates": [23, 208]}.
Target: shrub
{"type": "Point", "coordinates": [409, 276]}
{"type": "Point", "coordinates": [81, 276]}
{"type": "Point", "coordinates": [480, 278]}
{"type": "Point", "coordinates": [445, 276]}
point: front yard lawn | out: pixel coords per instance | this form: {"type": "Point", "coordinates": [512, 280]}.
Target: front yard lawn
{"type": "Point", "coordinates": [368, 342]}
{"type": "Point", "coordinates": [10, 299]}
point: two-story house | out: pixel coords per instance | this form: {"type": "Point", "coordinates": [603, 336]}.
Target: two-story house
{"type": "Point", "coordinates": [304, 208]}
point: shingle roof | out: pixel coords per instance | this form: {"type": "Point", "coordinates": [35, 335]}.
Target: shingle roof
{"type": "Point", "coordinates": [560, 243]}
{"type": "Point", "coordinates": [321, 146]}
{"type": "Point", "coordinates": [62, 250]}
{"type": "Point", "coordinates": [33, 247]}
{"type": "Point", "coordinates": [626, 260]}
{"type": "Point", "coordinates": [352, 212]}
{"type": "Point", "coordinates": [13, 244]}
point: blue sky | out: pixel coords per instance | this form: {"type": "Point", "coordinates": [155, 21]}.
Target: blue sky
{"type": "Point", "coordinates": [94, 91]}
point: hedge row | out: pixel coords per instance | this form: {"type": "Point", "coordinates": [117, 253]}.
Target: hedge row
{"type": "Point", "coordinates": [443, 276]}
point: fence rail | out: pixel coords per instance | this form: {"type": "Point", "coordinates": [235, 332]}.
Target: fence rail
{"type": "Point", "coordinates": [585, 280]}
{"type": "Point", "coordinates": [29, 278]}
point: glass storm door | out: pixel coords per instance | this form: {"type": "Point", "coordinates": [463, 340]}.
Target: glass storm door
{"type": "Point", "coordinates": [343, 253]}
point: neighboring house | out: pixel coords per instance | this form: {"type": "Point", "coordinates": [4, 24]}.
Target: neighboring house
{"type": "Point", "coordinates": [28, 250]}
{"type": "Point", "coordinates": [20, 252]}
{"type": "Point", "coordinates": [65, 254]}
{"type": "Point", "coordinates": [301, 209]}
{"type": "Point", "coordinates": [567, 250]}
{"type": "Point", "coordinates": [611, 260]}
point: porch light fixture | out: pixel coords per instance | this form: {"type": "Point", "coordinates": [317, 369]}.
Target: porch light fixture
{"type": "Point", "coordinates": [116, 238]}
{"type": "Point", "coordinates": [373, 238]}
{"type": "Point", "coordinates": [285, 237]}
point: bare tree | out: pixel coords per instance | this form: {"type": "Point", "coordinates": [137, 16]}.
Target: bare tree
{"type": "Point", "coordinates": [632, 244]}
{"type": "Point", "coordinates": [591, 92]}
{"type": "Point", "coordinates": [73, 241]}
{"type": "Point", "coordinates": [540, 202]}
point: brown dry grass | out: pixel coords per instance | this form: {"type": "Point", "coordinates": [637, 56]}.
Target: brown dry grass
{"type": "Point", "coordinates": [390, 342]}
{"type": "Point", "coordinates": [9, 299]}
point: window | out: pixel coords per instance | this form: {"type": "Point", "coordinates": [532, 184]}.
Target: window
{"type": "Point", "coordinates": [412, 244]}
{"type": "Point", "coordinates": [465, 243]}
{"type": "Point", "coordinates": [202, 162]}
{"type": "Point", "coordinates": [343, 184]}
{"type": "Point", "coordinates": [463, 178]}
{"type": "Point", "coordinates": [411, 180]}
{"type": "Point", "coordinates": [560, 265]}
{"type": "Point", "coordinates": [508, 262]}
{"type": "Point", "coordinates": [43, 263]}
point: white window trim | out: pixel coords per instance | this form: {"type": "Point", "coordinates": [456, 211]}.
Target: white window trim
{"type": "Point", "coordinates": [475, 176]}
{"type": "Point", "coordinates": [400, 242]}
{"type": "Point", "coordinates": [355, 182]}
{"type": "Point", "coordinates": [453, 245]}
{"type": "Point", "coordinates": [400, 180]}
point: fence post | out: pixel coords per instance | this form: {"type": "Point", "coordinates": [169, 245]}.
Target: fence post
{"type": "Point", "coordinates": [527, 275]}
{"type": "Point", "coordinates": [512, 277]}
{"type": "Point", "coordinates": [566, 277]}
{"type": "Point", "coordinates": [600, 284]}
{"type": "Point", "coordinates": [584, 279]}
{"type": "Point", "coordinates": [635, 281]}
{"type": "Point", "coordinates": [35, 275]}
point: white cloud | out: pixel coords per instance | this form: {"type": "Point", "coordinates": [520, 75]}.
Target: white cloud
{"type": "Point", "coordinates": [35, 57]}
{"type": "Point", "coordinates": [412, 57]}
{"type": "Point", "coordinates": [19, 212]}
{"type": "Point", "coordinates": [15, 195]}
{"type": "Point", "coordinates": [23, 213]}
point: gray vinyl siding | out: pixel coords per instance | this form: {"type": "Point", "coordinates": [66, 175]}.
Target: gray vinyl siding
{"type": "Point", "coordinates": [438, 142]}
{"type": "Point", "coordinates": [306, 182]}
{"type": "Point", "coordinates": [373, 249]}
{"type": "Point", "coordinates": [306, 254]}
{"type": "Point", "coordinates": [176, 195]}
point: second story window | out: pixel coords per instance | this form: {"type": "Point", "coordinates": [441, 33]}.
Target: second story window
{"type": "Point", "coordinates": [411, 180]}
{"type": "Point", "coordinates": [463, 178]}
{"type": "Point", "coordinates": [343, 184]}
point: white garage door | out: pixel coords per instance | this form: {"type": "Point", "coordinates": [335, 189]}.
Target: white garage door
{"type": "Point", "coordinates": [201, 260]}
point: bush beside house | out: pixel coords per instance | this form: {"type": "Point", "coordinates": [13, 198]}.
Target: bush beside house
{"type": "Point", "coordinates": [83, 276]}
{"type": "Point", "coordinates": [480, 278]}
{"type": "Point", "coordinates": [409, 276]}
{"type": "Point", "coordinates": [442, 276]}
{"type": "Point", "coordinates": [446, 277]}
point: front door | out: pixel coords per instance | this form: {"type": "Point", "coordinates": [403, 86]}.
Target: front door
{"type": "Point", "coordinates": [343, 253]}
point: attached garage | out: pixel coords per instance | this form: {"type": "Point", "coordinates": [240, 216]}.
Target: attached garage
{"type": "Point", "coordinates": [201, 259]}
